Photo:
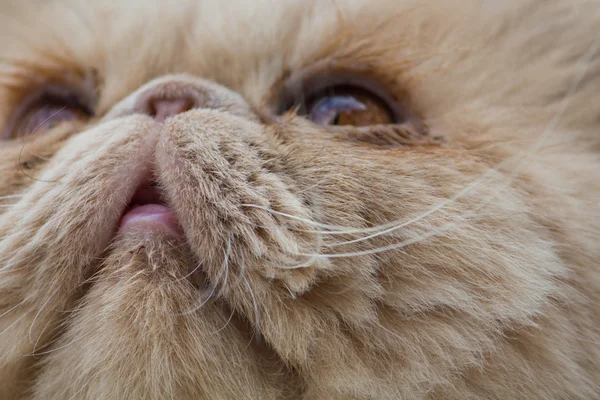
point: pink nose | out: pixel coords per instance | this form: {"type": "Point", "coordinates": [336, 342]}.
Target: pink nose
{"type": "Point", "coordinates": [162, 108]}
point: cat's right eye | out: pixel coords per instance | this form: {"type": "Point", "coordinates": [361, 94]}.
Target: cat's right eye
{"type": "Point", "coordinates": [46, 110]}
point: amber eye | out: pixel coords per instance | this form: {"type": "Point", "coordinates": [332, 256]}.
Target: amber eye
{"type": "Point", "coordinates": [348, 106]}
{"type": "Point", "coordinates": [46, 110]}
{"type": "Point", "coordinates": [341, 98]}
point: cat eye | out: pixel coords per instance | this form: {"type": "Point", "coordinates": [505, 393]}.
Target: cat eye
{"type": "Point", "coordinates": [348, 106]}
{"type": "Point", "coordinates": [342, 100]}
{"type": "Point", "coordinates": [46, 110]}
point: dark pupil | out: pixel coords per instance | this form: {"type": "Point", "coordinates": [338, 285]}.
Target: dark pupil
{"type": "Point", "coordinates": [336, 120]}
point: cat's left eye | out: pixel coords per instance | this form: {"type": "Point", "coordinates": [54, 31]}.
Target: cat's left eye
{"type": "Point", "coordinates": [342, 99]}
{"type": "Point", "coordinates": [340, 106]}
{"type": "Point", "coordinates": [46, 110]}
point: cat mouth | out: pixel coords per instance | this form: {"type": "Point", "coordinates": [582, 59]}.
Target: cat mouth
{"type": "Point", "coordinates": [148, 210]}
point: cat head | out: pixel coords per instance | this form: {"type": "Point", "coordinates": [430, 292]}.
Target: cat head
{"type": "Point", "coordinates": [293, 199]}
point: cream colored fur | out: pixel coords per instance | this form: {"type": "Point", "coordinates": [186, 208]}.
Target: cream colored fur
{"type": "Point", "coordinates": [483, 281]}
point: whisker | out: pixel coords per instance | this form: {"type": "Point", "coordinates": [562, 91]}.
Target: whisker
{"type": "Point", "coordinates": [60, 347]}
{"type": "Point", "coordinates": [13, 308]}
{"type": "Point", "coordinates": [35, 346]}
{"type": "Point", "coordinates": [36, 317]}
{"type": "Point", "coordinates": [8, 266]}
{"type": "Point", "coordinates": [226, 263]}
{"type": "Point", "coordinates": [433, 210]}
{"type": "Point", "coordinates": [224, 270]}
{"type": "Point", "coordinates": [7, 329]}
{"type": "Point", "coordinates": [242, 272]}
{"type": "Point", "coordinates": [80, 390]}
{"type": "Point", "coordinates": [396, 225]}
{"type": "Point", "coordinates": [202, 303]}
{"type": "Point", "coordinates": [317, 184]}
{"type": "Point", "coordinates": [190, 273]}
{"type": "Point", "coordinates": [382, 249]}
{"type": "Point", "coordinates": [255, 304]}
{"type": "Point", "coordinates": [22, 169]}
{"type": "Point", "coordinates": [550, 128]}
{"type": "Point", "coordinates": [11, 196]}
{"type": "Point", "coordinates": [226, 323]}
{"type": "Point", "coordinates": [294, 217]}
{"type": "Point", "coordinates": [307, 264]}
{"type": "Point", "coordinates": [11, 325]}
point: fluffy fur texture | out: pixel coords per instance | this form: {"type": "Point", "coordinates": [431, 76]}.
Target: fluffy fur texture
{"type": "Point", "coordinates": [313, 267]}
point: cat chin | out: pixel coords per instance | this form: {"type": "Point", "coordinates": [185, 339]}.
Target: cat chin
{"type": "Point", "coordinates": [148, 248]}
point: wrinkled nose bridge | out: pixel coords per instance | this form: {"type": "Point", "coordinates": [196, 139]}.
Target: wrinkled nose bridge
{"type": "Point", "coordinates": [170, 95]}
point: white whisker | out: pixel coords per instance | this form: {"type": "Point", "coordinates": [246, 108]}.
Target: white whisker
{"type": "Point", "coordinates": [35, 346]}
{"type": "Point", "coordinates": [226, 323]}
{"type": "Point", "coordinates": [549, 129]}
{"type": "Point", "coordinates": [535, 148]}
{"type": "Point", "coordinates": [320, 182]}
{"type": "Point", "coordinates": [242, 272]}
{"type": "Point", "coordinates": [255, 304]}
{"type": "Point", "coordinates": [7, 329]}
{"type": "Point", "coordinates": [41, 123]}
{"type": "Point", "coordinates": [36, 317]}
{"type": "Point", "coordinates": [189, 273]}
{"type": "Point", "coordinates": [226, 263]}
{"type": "Point", "coordinates": [396, 225]}
{"type": "Point", "coordinates": [59, 347]}
{"type": "Point", "coordinates": [80, 390]}
{"type": "Point", "coordinates": [11, 325]}
{"type": "Point", "coordinates": [294, 217]}
{"type": "Point", "coordinates": [13, 308]}
{"type": "Point", "coordinates": [202, 303]}
{"type": "Point", "coordinates": [433, 210]}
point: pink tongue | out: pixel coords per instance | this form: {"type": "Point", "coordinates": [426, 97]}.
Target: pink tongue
{"type": "Point", "coordinates": [151, 215]}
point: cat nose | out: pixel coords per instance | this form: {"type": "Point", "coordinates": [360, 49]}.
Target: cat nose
{"type": "Point", "coordinates": [161, 107]}
{"type": "Point", "coordinates": [170, 95]}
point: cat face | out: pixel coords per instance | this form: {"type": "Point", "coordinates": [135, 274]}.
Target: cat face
{"type": "Point", "coordinates": [299, 199]}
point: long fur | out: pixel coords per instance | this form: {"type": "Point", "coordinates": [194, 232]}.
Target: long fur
{"type": "Point", "coordinates": [312, 267]}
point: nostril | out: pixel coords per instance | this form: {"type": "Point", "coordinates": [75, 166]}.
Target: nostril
{"type": "Point", "coordinates": [162, 108]}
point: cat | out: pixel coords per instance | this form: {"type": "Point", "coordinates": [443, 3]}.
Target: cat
{"type": "Point", "coordinates": [299, 199]}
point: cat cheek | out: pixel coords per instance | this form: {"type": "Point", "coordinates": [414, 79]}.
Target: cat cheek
{"type": "Point", "coordinates": [215, 198]}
